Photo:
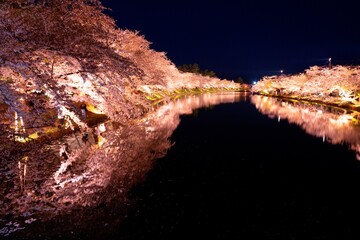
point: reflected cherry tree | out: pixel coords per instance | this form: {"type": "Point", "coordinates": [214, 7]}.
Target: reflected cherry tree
{"type": "Point", "coordinates": [86, 172]}
{"type": "Point", "coordinates": [332, 124]}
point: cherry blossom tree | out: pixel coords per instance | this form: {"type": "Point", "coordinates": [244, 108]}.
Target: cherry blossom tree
{"type": "Point", "coordinates": [336, 85]}
{"type": "Point", "coordinates": [62, 54]}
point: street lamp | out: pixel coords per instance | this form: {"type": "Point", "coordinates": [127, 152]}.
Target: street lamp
{"type": "Point", "coordinates": [329, 63]}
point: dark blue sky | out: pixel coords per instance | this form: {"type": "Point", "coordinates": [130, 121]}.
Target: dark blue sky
{"type": "Point", "coordinates": [246, 38]}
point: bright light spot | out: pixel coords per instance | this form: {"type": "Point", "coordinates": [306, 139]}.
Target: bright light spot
{"type": "Point", "coordinates": [254, 82]}
{"type": "Point", "coordinates": [342, 120]}
{"type": "Point", "coordinates": [102, 127]}
{"type": "Point", "coordinates": [93, 109]}
{"type": "Point", "coordinates": [101, 141]}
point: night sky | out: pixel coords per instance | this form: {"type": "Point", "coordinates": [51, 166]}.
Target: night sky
{"type": "Point", "coordinates": [246, 38]}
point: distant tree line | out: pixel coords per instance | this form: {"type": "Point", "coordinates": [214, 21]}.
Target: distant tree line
{"type": "Point", "coordinates": [239, 80]}
{"type": "Point", "coordinates": [194, 68]}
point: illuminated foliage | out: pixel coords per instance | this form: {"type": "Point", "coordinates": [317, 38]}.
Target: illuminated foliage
{"type": "Point", "coordinates": [332, 124]}
{"type": "Point", "coordinates": [55, 54]}
{"type": "Point", "coordinates": [337, 85]}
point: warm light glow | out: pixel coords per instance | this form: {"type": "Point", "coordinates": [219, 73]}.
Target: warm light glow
{"type": "Point", "coordinates": [335, 85]}
{"type": "Point", "coordinates": [93, 109]}
{"type": "Point", "coordinates": [19, 129]}
{"type": "Point", "coordinates": [101, 140]}
{"type": "Point", "coordinates": [102, 127]}
{"type": "Point", "coordinates": [336, 127]}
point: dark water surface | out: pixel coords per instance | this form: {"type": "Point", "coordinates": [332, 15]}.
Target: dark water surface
{"type": "Point", "coordinates": [234, 173]}
{"type": "Point", "coordinates": [249, 168]}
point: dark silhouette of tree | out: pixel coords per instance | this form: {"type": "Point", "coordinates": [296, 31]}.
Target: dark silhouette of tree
{"type": "Point", "coordinates": [194, 68]}
{"type": "Point", "coordinates": [209, 73]}
{"type": "Point", "coordinates": [239, 80]}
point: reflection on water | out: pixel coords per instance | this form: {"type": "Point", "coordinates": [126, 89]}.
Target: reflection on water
{"type": "Point", "coordinates": [89, 172]}
{"type": "Point", "coordinates": [335, 125]}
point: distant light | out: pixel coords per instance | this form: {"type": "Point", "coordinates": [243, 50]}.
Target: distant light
{"type": "Point", "coordinates": [254, 82]}
{"type": "Point", "coordinates": [281, 71]}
